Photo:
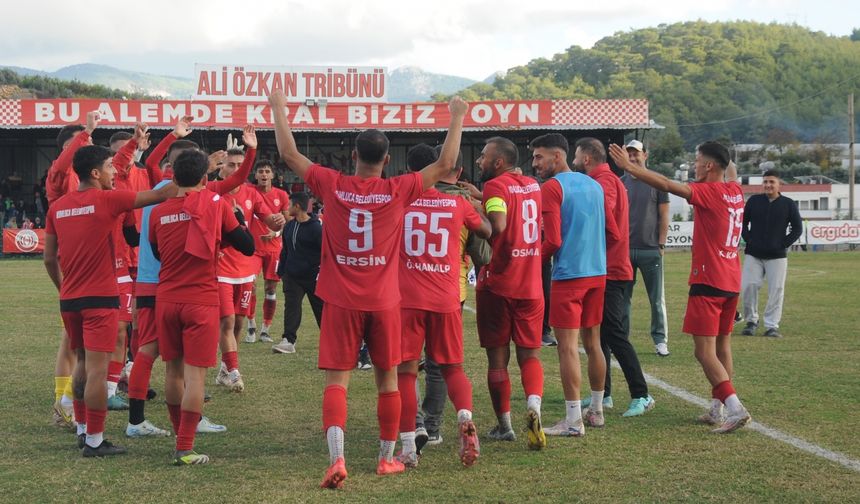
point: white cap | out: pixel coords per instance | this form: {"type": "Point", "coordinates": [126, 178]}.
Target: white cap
{"type": "Point", "coordinates": [635, 144]}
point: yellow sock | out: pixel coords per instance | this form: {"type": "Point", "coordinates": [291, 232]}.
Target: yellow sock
{"type": "Point", "coordinates": [60, 384]}
{"type": "Point", "coordinates": [67, 390]}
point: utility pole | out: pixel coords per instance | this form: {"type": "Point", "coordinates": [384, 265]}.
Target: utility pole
{"type": "Point", "coordinates": [851, 156]}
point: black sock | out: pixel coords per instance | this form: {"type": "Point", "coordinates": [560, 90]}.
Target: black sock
{"type": "Point", "coordinates": [135, 411]}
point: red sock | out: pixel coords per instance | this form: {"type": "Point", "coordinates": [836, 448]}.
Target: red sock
{"type": "Point", "coordinates": [114, 370]}
{"type": "Point", "coordinates": [408, 401]}
{"type": "Point", "coordinates": [334, 407]}
{"type": "Point", "coordinates": [531, 374]}
{"type": "Point", "coordinates": [175, 411]}
{"type": "Point", "coordinates": [722, 391]}
{"type": "Point", "coordinates": [231, 360]}
{"type": "Point", "coordinates": [96, 421]}
{"type": "Point", "coordinates": [135, 338]}
{"type": "Point", "coordinates": [141, 372]}
{"type": "Point", "coordinates": [188, 421]}
{"type": "Point", "coordinates": [459, 386]}
{"type": "Point", "coordinates": [80, 408]}
{"type": "Point", "coordinates": [388, 414]}
{"type": "Point", "coordinates": [270, 305]}
{"type": "Point", "coordinates": [499, 384]}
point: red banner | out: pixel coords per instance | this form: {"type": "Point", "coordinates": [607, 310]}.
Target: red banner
{"type": "Point", "coordinates": [23, 241]}
{"type": "Point", "coordinates": [526, 114]}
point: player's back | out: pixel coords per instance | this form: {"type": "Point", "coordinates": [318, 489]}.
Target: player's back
{"type": "Point", "coordinates": [719, 215]}
{"type": "Point", "coordinates": [515, 268]}
{"type": "Point", "coordinates": [361, 236]}
{"type": "Point", "coordinates": [431, 254]}
{"type": "Point", "coordinates": [183, 277]}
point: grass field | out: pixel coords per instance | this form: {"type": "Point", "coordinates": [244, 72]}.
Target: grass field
{"type": "Point", "coordinates": [806, 385]}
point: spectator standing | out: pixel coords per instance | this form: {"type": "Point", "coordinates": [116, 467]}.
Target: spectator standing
{"type": "Point", "coordinates": [771, 224]}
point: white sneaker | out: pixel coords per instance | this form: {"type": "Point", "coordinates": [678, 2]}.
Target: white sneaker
{"type": "Point", "coordinates": [206, 426]}
{"type": "Point", "coordinates": [145, 429]}
{"type": "Point", "coordinates": [251, 337]}
{"type": "Point", "coordinates": [714, 416]}
{"type": "Point", "coordinates": [234, 381]}
{"type": "Point", "coordinates": [265, 338]}
{"type": "Point", "coordinates": [409, 459]}
{"type": "Point", "coordinates": [662, 349]}
{"type": "Point", "coordinates": [562, 428]}
{"type": "Point", "coordinates": [734, 421]}
{"type": "Point", "coordinates": [284, 347]}
{"type": "Point", "coordinates": [593, 418]}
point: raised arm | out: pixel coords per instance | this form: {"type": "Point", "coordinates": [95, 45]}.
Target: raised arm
{"type": "Point", "coordinates": [653, 179]}
{"type": "Point", "coordinates": [59, 171]}
{"type": "Point", "coordinates": [249, 137]}
{"type": "Point", "coordinates": [287, 147]}
{"type": "Point", "coordinates": [153, 162]}
{"type": "Point", "coordinates": [122, 159]}
{"type": "Point", "coordinates": [451, 148]}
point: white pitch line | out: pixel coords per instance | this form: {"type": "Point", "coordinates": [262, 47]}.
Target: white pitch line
{"type": "Point", "coordinates": [778, 435]}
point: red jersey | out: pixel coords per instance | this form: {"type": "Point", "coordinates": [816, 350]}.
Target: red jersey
{"type": "Point", "coordinates": [186, 278]}
{"type": "Point", "coordinates": [84, 223]}
{"type": "Point", "coordinates": [430, 256]}
{"type": "Point", "coordinates": [279, 201]}
{"type": "Point", "coordinates": [233, 267]}
{"type": "Point", "coordinates": [719, 217]}
{"type": "Point", "coordinates": [122, 250]}
{"type": "Point", "coordinates": [617, 213]}
{"type": "Point", "coordinates": [61, 178]}
{"type": "Point", "coordinates": [361, 236]}
{"type": "Point", "coordinates": [515, 269]}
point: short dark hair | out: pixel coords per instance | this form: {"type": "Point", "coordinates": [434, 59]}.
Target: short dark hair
{"type": "Point", "coordinates": [190, 167]}
{"type": "Point", "coordinates": [89, 157]}
{"type": "Point", "coordinates": [301, 199]}
{"type": "Point", "coordinates": [458, 164]}
{"type": "Point", "coordinates": [771, 173]}
{"type": "Point", "coordinates": [507, 150]}
{"type": "Point", "coordinates": [420, 156]}
{"type": "Point", "coordinates": [120, 135]}
{"type": "Point", "coordinates": [551, 141]}
{"type": "Point", "coordinates": [236, 152]}
{"type": "Point", "coordinates": [716, 151]}
{"type": "Point", "coordinates": [593, 147]}
{"type": "Point", "coordinates": [264, 163]}
{"type": "Point", "coordinates": [67, 132]}
{"type": "Point", "coordinates": [372, 146]}
{"type": "Point", "coordinates": [178, 147]}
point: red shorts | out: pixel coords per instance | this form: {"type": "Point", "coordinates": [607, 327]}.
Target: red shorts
{"type": "Point", "coordinates": [502, 320]}
{"type": "Point", "coordinates": [235, 299]}
{"type": "Point", "coordinates": [270, 262]}
{"type": "Point", "coordinates": [147, 329]}
{"type": "Point", "coordinates": [577, 303]}
{"type": "Point", "coordinates": [710, 315]}
{"type": "Point", "coordinates": [342, 331]}
{"type": "Point", "coordinates": [189, 331]}
{"type": "Point", "coordinates": [126, 295]}
{"type": "Point", "coordinates": [441, 332]}
{"type": "Point", "coordinates": [92, 329]}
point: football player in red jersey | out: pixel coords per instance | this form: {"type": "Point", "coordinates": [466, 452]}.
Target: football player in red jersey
{"type": "Point", "coordinates": [431, 313]}
{"type": "Point", "coordinates": [715, 276]}
{"type": "Point", "coordinates": [236, 273]}
{"type": "Point", "coordinates": [509, 295]}
{"type": "Point", "coordinates": [267, 250]}
{"type": "Point", "coordinates": [358, 274]}
{"type": "Point", "coordinates": [78, 259]}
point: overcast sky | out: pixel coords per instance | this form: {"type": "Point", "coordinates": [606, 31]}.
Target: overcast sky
{"type": "Point", "coordinates": [463, 37]}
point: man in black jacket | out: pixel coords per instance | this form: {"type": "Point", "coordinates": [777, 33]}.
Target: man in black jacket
{"type": "Point", "coordinates": [299, 266]}
{"type": "Point", "coordinates": [771, 224]}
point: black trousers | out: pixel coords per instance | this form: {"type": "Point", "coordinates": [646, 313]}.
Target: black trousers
{"type": "Point", "coordinates": [295, 290]}
{"type": "Point", "coordinates": [615, 339]}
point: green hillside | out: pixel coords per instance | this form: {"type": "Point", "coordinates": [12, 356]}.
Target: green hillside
{"type": "Point", "coordinates": [700, 77]}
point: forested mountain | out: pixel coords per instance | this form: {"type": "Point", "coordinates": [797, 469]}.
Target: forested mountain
{"type": "Point", "coordinates": [14, 85]}
{"type": "Point", "coordinates": [700, 76]}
